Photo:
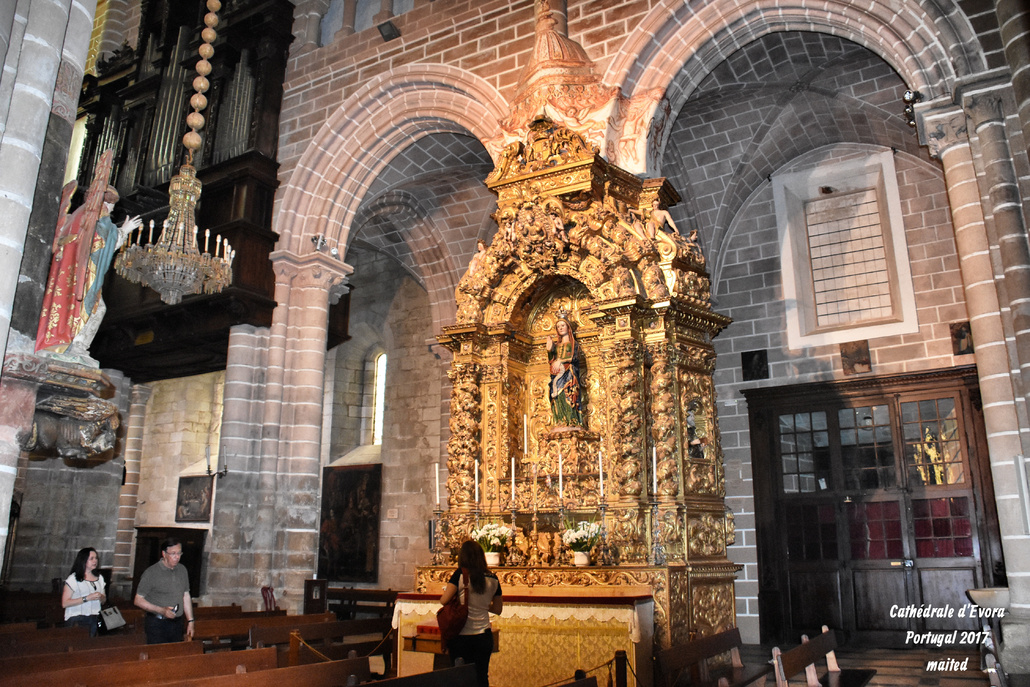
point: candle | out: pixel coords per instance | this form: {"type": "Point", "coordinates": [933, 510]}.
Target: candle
{"type": "Point", "coordinates": [525, 435]}
{"type": "Point", "coordinates": [560, 492]}
{"type": "Point", "coordinates": [654, 471]}
{"type": "Point", "coordinates": [436, 469]}
{"type": "Point", "coordinates": [477, 481]}
{"type": "Point", "coordinates": [513, 479]}
{"type": "Point", "coordinates": [207, 453]}
{"type": "Point", "coordinates": [600, 472]}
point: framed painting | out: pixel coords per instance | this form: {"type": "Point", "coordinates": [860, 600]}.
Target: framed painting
{"type": "Point", "coordinates": [348, 542]}
{"type": "Point", "coordinates": [193, 502]}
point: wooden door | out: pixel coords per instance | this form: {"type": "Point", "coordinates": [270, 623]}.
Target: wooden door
{"type": "Point", "coordinates": [874, 503]}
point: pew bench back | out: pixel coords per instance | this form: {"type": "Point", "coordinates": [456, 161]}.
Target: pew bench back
{"type": "Point", "coordinates": [805, 657]}
{"type": "Point", "coordinates": [135, 673]}
{"type": "Point", "coordinates": [331, 674]}
{"type": "Point", "coordinates": [234, 633]}
{"type": "Point", "coordinates": [13, 671]}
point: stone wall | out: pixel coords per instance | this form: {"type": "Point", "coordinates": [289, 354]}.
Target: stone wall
{"type": "Point", "coordinates": [390, 313]}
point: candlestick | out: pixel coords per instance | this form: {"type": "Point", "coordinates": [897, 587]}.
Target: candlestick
{"type": "Point", "coordinates": [600, 473]}
{"type": "Point", "coordinates": [476, 482]}
{"type": "Point", "coordinates": [436, 472]}
{"type": "Point", "coordinates": [561, 493]}
{"type": "Point", "coordinates": [654, 470]}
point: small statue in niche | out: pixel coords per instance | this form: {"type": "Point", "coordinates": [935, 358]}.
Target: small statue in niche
{"type": "Point", "coordinates": [564, 392]}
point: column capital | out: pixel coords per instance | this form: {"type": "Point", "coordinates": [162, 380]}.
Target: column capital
{"type": "Point", "coordinates": [945, 127]}
{"type": "Point", "coordinates": [311, 270]}
{"type": "Point", "coordinates": [984, 108]}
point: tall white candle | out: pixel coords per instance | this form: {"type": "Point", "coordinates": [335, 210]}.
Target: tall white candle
{"type": "Point", "coordinates": [525, 435]}
{"type": "Point", "coordinates": [436, 472]}
{"type": "Point", "coordinates": [560, 491]}
{"type": "Point", "coordinates": [600, 472]}
{"type": "Point", "coordinates": [654, 471]}
{"type": "Point", "coordinates": [477, 481]}
{"type": "Point", "coordinates": [513, 478]}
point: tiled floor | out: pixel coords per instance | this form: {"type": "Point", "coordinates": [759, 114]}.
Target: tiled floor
{"type": "Point", "coordinates": [902, 668]}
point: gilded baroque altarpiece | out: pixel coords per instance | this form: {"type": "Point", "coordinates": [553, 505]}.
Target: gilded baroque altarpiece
{"type": "Point", "coordinates": [584, 243]}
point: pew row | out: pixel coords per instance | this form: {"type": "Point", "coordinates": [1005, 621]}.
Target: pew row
{"type": "Point", "coordinates": [458, 676]}
{"type": "Point", "coordinates": [330, 674]}
{"type": "Point", "coordinates": [157, 670]}
{"type": "Point", "coordinates": [787, 664]}
{"type": "Point", "coordinates": [334, 640]}
{"type": "Point", "coordinates": [234, 633]}
{"type": "Point", "coordinates": [349, 603]}
{"type": "Point", "coordinates": [695, 663]}
{"type": "Point", "coordinates": [30, 647]}
{"type": "Point", "coordinates": [13, 670]}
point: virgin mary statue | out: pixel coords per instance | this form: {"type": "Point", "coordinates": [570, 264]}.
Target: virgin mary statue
{"type": "Point", "coordinates": [563, 356]}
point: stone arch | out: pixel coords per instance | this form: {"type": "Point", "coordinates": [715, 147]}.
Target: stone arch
{"type": "Point", "coordinates": [434, 265]}
{"type": "Point", "coordinates": [324, 191]}
{"type": "Point", "coordinates": [678, 44]}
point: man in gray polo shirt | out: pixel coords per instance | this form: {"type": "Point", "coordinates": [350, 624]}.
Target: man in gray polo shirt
{"type": "Point", "coordinates": [164, 593]}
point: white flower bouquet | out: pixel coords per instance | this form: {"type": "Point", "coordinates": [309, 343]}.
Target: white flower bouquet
{"type": "Point", "coordinates": [582, 537]}
{"type": "Point", "coordinates": [492, 536]}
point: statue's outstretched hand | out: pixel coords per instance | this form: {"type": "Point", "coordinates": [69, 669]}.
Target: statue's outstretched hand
{"type": "Point", "coordinates": [130, 225]}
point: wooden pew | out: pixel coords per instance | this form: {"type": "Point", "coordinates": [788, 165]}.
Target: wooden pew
{"type": "Point", "coordinates": [13, 670]}
{"type": "Point", "coordinates": [231, 611]}
{"type": "Point", "coordinates": [331, 674]}
{"type": "Point", "coordinates": [458, 676]}
{"type": "Point", "coordinates": [329, 639]}
{"type": "Point", "coordinates": [234, 633]}
{"type": "Point", "coordinates": [693, 663]}
{"type": "Point", "coordinates": [48, 633]}
{"type": "Point", "coordinates": [36, 607]}
{"type": "Point", "coordinates": [135, 673]}
{"type": "Point", "coordinates": [76, 643]}
{"type": "Point", "coordinates": [350, 603]}
{"type": "Point", "coordinates": [17, 628]}
{"type": "Point", "coordinates": [789, 663]}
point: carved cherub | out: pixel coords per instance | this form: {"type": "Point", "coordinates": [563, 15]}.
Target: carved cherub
{"type": "Point", "coordinates": [658, 218]}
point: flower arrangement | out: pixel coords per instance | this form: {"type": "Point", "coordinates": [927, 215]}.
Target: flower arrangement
{"type": "Point", "coordinates": [582, 537]}
{"type": "Point", "coordinates": [492, 536]}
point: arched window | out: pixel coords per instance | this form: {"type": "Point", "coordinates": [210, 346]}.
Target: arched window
{"type": "Point", "coordinates": [378, 397]}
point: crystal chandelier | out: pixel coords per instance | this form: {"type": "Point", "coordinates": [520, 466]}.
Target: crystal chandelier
{"type": "Point", "coordinates": [173, 266]}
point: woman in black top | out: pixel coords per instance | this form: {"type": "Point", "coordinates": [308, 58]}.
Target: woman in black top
{"type": "Point", "coordinates": [476, 641]}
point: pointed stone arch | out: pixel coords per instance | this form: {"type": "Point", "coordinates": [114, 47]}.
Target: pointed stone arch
{"type": "Point", "coordinates": [324, 190]}
{"type": "Point", "coordinates": [679, 43]}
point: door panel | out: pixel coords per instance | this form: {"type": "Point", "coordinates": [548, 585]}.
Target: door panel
{"type": "Point", "coordinates": [943, 586]}
{"type": "Point", "coordinates": [875, 592]}
{"type": "Point", "coordinates": [815, 598]}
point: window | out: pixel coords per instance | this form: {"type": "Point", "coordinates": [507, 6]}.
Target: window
{"type": "Point", "coordinates": [845, 260]}
{"type": "Point", "coordinates": [378, 397]}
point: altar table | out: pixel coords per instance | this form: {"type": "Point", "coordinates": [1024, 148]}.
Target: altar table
{"type": "Point", "coordinates": [547, 633]}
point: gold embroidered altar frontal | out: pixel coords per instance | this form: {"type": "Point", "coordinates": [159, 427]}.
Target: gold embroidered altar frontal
{"type": "Point", "coordinates": [545, 638]}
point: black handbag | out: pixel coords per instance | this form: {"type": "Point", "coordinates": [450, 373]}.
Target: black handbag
{"type": "Point", "coordinates": [452, 616]}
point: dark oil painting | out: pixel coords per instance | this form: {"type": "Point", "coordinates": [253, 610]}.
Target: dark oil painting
{"type": "Point", "coordinates": [348, 542]}
{"type": "Point", "coordinates": [193, 501]}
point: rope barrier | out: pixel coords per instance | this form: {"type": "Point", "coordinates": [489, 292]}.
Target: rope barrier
{"type": "Point", "coordinates": [320, 655]}
{"type": "Point", "coordinates": [563, 680]}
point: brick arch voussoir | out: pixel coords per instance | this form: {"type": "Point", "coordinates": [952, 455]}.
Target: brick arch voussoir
{"type": "Point", "coordinates": [326, 187]}
{"type": "Point", "coordinates": [678, 44]}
